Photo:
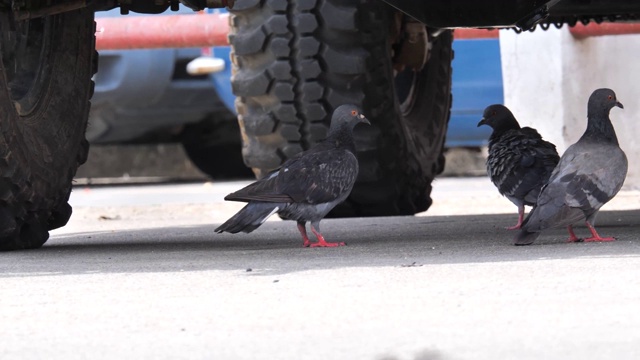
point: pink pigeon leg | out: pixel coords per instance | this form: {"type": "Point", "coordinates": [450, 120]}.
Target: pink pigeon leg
{"type": "Point", "coordinates": [520, 219]}
{"type": "Point", "coordinates": [594, 235]}
{"type": "Point", "coordinates": [321, 241]}
{"type": "Point", "coordinates": [303, 232]}
{"type": "Point", "coordinates": [572, 235]}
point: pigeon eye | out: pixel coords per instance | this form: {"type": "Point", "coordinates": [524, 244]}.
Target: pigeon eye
{"type": "Point", "coordinates": [354, 113]}
{"type": "Point", "coordinates": [493, 112]}
{"type": "Point", "coordinates": [610, 97]}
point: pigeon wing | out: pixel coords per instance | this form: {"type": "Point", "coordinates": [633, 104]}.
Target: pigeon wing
{"type": "Point", "coordinates": [579, 186]}
{"type": "Point", "coordinates": [312, 177]}
{"type": "Point", "coordinates": [261, 190]}
{"type": "Point", "coordinates": [319, 177]}
{"type": "Point", "coordinates": [593, 177]}
{"type": "Point", "coordinates": [521, 163]}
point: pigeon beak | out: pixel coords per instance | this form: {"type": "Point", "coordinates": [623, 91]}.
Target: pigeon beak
{"type": "Point", "coordinates": [364, 120]}
{"type": "Point", "coordinates": [483, 121]}
{"type": "Point", "coordinates": [619, 104]}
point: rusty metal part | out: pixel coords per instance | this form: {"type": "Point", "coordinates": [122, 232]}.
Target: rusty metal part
{"type": "Point", "coordinates": [414, 46]}
{"type": "Point", "coordinates": [580, 31]}
{"type": "Point", "coordinates": [167, 31]}
{"type": "Point", "coordinates": [559, 21]}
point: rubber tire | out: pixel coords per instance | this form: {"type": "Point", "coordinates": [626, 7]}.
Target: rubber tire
{"type": "Point", "coordinates": [214, 145]}
{"type": "Point", "coordinates": [295, 61]}
{"type": "Point", "coordinates": [41, 149]}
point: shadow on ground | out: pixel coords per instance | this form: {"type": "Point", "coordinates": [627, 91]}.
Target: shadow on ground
{"type": "Point", "coordinates": [275, 248]}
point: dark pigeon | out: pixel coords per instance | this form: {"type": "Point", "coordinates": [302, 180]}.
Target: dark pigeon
{"type": "Point", "coordinates": [307, 186]}
{"type": "Point", "coordinates": [519, 161]}
{"type": "Point", "coordinates": [590, 173]}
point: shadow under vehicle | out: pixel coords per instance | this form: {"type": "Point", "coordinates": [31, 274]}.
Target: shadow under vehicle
{"type": "Point", "coordinates": [294, 61]}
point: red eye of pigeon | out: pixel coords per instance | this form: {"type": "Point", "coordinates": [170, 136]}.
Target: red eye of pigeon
{"type": "Point", "coordinates": [609, 97]}
{"type": "Point", "coordinates": [354, 113]}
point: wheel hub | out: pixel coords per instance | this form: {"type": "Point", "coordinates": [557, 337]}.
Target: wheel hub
{"type": "Point", "coordinates": [411, 48]}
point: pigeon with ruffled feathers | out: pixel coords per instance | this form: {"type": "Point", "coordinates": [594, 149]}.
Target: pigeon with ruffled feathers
{"type": "Point", "coordinates": [307, 186]}
{"type": "Point", "coordinates": [590, 173]}
{"type": "Point", "coordinates": [519, 161]}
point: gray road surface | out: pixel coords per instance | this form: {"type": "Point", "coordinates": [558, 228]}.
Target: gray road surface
{"type": "Point", "coordinates": [140, 274]}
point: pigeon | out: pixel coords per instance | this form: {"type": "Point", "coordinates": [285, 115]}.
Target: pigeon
{"type": "Point", "coordinates": [307, 186]}
{"type": "Point", "coordinates": [590, 173]}
{"type": "Point", "coordinates": [519, 161]}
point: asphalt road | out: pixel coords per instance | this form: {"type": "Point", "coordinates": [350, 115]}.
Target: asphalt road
{"type": "Point", "coordinates": [139, 273]}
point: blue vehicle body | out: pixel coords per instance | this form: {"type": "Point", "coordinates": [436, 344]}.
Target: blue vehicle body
{"type": "Point", "coordinates": [222, 80]}
{"type": "Point", "coordinates": [477, 83]}
{"type": "Point", "coordinates": [139, 91]}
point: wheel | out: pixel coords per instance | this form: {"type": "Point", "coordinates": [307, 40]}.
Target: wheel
{"type": "Point", "coordinates": [45, 85]}
{"type": "Point", "coordinates": [295, 61]}
{"type": "Point", "coordinates": [214, 145]}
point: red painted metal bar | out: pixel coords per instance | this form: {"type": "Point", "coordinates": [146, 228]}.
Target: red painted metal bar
{"type": "Point", "coordinates": [155, 32]}
{"type": "Point", "coordinates": [581, 31]}
{"type": "Point", "coordinates": [179, 31]}
{"type": "Point", "coordinates": [465, 34]}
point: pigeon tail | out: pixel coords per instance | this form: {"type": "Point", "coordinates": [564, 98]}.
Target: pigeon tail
{"type": "Point", "coordinates": [250, 217]}
{"type": "Point", "coordinates": [525, 237]}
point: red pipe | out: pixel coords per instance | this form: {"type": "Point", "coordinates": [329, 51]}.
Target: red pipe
{"type": "Point", "coordinates": [581, 31]}
{"type": "Point", "coordinates": [465, 34]}
{"type": "Point", "coordinates": [155, 32]}
{"type": "Point", "coordinates": [181, 31]}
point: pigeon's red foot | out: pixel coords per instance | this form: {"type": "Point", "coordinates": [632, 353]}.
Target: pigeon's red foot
{"type": "Point", "coordinates": [322, 242]}
{"type": "Point", "coordinates": [327, 244]}
{"type": "Point", "coordinates": [595, 237]}
{"type": "Point", "coordinates": [306, 242]}
{"type": "Point", "coordinates": [520, 219]}
{"type": "Point", "coordinates": [572, 235]}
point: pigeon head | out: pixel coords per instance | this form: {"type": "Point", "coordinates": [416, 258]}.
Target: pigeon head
{"type": "Point", "coordinates": [499, 118]}
{"type": "Point", "coordinates": [347, 116]}
{"type": "Point", "coordinates": [599, 127]}
{"type": "Point", "coordinates": [602, 101]}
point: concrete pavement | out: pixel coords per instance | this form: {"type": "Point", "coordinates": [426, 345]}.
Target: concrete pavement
{"type": "Point", "coordinates": [420, 288]}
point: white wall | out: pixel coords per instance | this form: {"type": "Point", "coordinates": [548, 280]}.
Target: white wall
{"type": "Point", "coordinates": [548, 77]}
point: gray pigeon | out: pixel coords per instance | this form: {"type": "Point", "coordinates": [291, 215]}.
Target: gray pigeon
{"type": "Point", "coordinates": [590, 173]}
{"type": "Point", "coordinates": [307, 186]}
{"type": "Point", "coordinates": [519, 161]}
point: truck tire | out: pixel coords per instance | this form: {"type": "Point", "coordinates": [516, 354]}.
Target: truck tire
{"type": "Point", "coordinates": [46, 66]}
{"type": "Point", "coordinates": [296, 61]}
{"type": "Point", "coordinates": [214, 145]}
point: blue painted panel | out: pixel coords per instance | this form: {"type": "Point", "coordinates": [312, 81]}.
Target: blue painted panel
{"type": "Point", "coordinates": [477, 83]}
